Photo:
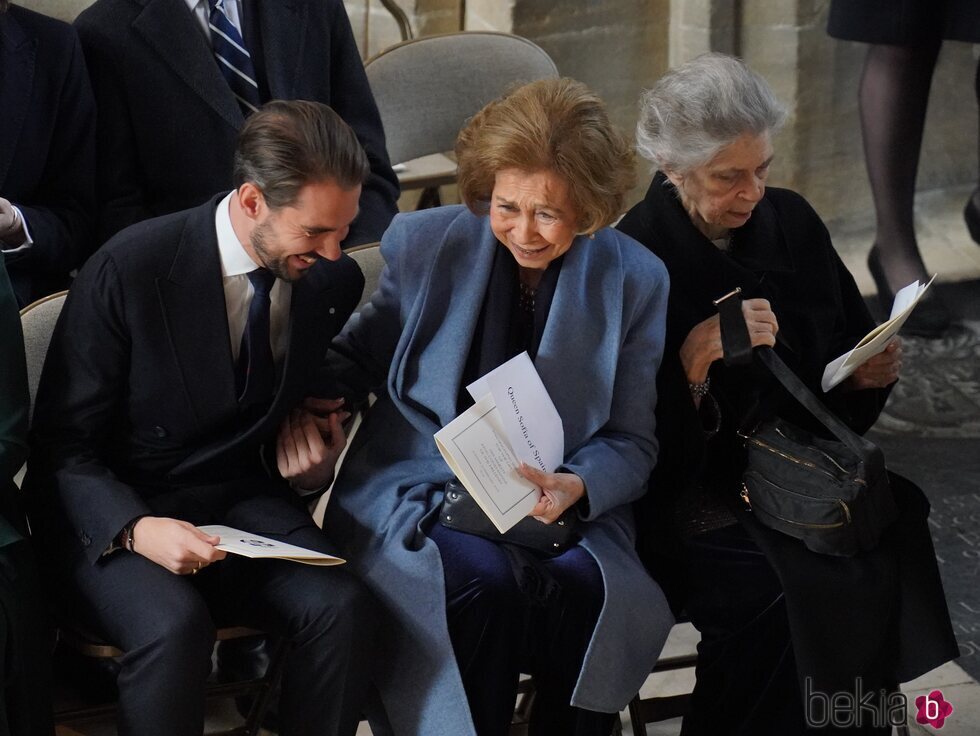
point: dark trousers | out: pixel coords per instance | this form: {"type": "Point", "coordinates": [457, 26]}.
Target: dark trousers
{"type": "Point", "coordinates": [25, 646]}
{"type": "Point", "coordinates": [747, 679]}
{"type": "Point", "coordinates": [166, 623]}
{"type": "Point", "coordinates": [497, 633]}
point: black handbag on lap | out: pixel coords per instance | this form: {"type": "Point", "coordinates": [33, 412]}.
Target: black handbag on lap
{"type": "Point", "coordinates": [460, 512]}
{"type": "Point", "coordinates": [832, 494]}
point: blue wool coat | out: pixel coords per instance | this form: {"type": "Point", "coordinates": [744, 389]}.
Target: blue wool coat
{"type": "Point", "coordinates": [598, 358]}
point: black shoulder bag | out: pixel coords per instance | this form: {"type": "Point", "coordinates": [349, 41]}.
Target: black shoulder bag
{"type": "Point", "coordinates": [833, 494]}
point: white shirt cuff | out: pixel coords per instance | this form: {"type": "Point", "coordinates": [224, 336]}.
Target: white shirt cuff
{"type": "Point", "coordinates": [28, 240]}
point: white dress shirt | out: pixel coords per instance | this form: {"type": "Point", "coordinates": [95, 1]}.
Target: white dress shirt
{"type": "Point", "coordinates": [235, 265]}
{"type": "Point", "coordinates": [202, 13]}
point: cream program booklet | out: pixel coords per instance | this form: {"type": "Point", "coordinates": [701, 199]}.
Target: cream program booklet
{"type": "Point", "coordinates": [513, 420]}
{"type": "Point", "coordinates": [247, 544]}
{"type": "Point", "coordinates": [876, 340]}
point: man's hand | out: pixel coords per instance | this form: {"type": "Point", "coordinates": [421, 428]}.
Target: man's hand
{"type": "Point", "coordinates": [11, 226]}
{"type": "Point", "coordinates": [879, 370]}
{"type": "Point", "coordinates": [702, 346]}
{"type": "Point", "coordinates": [176, 545]}
{"type": "Point", "coordinates": [310, 442]}
{"type": "Point", "coordinates": [559, 491]}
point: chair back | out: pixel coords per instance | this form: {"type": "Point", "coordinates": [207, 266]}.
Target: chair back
{"type": "Point", "coordinates": [427, 88]}
{"type": "Point", "coordinates": [368, 257]}
{"type": "Point", "coordinates": [37, 320]}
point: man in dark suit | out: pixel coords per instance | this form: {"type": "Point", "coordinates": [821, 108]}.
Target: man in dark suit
{"type": "Point", "coordinates": [175, 394]}
{"type": "Point", "coordinates": [169, 109]}
{"type": "Point", "coordinates": [47, 152]}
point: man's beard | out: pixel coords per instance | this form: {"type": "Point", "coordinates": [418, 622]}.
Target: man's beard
{"type": "Point", "coordinates": [276, 264]}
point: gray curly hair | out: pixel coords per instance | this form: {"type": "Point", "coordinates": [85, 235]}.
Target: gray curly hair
{"type": "Point", "coordinates": [701, 106]}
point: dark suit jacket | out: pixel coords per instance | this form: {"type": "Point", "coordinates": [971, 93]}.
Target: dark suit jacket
{"type": "Point", "coordinates": [47, 148]}
{"type": "Point", "coordinates": [14, 404]}
{"type": "Point", "coordinates": [136, 412]}
{"type": "Point", "coordinates": [168, 121]}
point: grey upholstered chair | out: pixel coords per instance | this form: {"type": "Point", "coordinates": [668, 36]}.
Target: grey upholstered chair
{"type": "Point", "coordinates": [427, 88]}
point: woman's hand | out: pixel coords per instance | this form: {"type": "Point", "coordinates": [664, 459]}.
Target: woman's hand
{"type": "Point", "coordinates": [559, 491]}
{"type": "Point", "coordinates": [702, 346]}
{"type": "Point", "coordinates": [879, 370]}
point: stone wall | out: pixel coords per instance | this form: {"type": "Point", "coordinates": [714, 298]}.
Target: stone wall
{"type": "Point", "coordinates": [620, 46]}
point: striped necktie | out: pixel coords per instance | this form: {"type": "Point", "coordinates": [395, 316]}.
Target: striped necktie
{"type": "Point", "coordinates": [233, 58]}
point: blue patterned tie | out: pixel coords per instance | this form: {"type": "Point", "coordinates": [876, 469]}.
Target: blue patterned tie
{"type": "Point", "coordinates": [256, 369]}
{"type": "Point", "coordinates": [233, 58]}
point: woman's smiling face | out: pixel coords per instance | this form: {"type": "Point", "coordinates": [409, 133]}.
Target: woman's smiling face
{"type": "Point", "coordinates": [532, 216]}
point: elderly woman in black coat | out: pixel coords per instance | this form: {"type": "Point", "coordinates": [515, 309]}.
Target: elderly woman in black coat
{"type": "Point", "coordinates": [782, 628]}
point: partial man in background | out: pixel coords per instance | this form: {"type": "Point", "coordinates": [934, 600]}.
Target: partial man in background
{"type": "Point", "coordinates": [175, 394]}
{"type": "Point", "coordinates": [175, 80]}
{"type": "Point", "coordinates": [47, 152]}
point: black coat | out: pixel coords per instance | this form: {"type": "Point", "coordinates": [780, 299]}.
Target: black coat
{"type": "Point", "coordinates": [136, 411]}
{"type": "Point", "coordinates": [47, 148]}
{"type": "Point", "coordinates": [168, 121]}
{"type": "Point", "coordinates": [847, 615]}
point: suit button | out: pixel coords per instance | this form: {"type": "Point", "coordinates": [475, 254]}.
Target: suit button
{"type": "Point", "coordinates": [332, 310]}
{"type": "Point", "coordinates": [159, 432]}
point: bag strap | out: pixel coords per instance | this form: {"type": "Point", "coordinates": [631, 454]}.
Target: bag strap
{"type": "Point", "coordinates": [735, 341]}
{"type": "Point", "coordinates": [734, 332]}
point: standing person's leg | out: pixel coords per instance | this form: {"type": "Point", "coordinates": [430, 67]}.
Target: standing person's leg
{"type": "Point", "coordinates": [559, 637]}
{"type": "Point", "coordinates": [330, 621]}
{"type": "Point", "coordinates": [893, 96]}
{"type": "Point", "coordinates": [162, 623]}
{"type": "Point", "coordinates": [486, 614]}
{"type": "Point", "coordinates": [972, 210]}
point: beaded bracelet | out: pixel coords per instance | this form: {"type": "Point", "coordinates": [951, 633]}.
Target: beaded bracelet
{"type": "Point", "coordinates": [700, 390]}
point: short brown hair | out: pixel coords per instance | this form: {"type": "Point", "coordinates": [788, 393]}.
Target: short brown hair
{"type": "Point", "coordinates": [288, 144]}
{"type": "Point", "coordinates": [556, 125]}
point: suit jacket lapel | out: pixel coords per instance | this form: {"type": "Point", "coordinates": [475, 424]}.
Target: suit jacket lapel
{"type": "Point", "coordinates": [193, 301]}
{"type": "Point", "coordinates": [282, 25]}
{"type": "Point", "coordinates": [17, 54]}
{"type": "Point", "coordinates": [170, 29]}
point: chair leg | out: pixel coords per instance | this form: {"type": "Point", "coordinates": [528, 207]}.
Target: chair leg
{"type": "Point", "coordinates": [262, 701]}
{"type": "Point", "coordinates": [636, 718]}
{"type": "Point", "coordinates": [429, 198]}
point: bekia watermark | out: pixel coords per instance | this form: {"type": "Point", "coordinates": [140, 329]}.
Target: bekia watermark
{"type": "Point", "coordinates": [877, 708]}
{"type": "Point", "coordinates": [934, 709]}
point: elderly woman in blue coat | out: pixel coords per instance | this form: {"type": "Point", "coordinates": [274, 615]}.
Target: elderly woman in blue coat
{"type": "Point", "coordinates": [527, 264]}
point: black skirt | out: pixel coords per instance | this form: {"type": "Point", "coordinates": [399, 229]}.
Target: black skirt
{"type": "Point", "coordinates": [904, 22]}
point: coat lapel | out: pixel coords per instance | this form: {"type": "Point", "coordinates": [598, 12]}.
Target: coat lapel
{"type": "Point", "coordinates": [579, 347]}
{"type": "Point", "coordinates": [193, 301]}
{"type": "Point", "coordinates": [17, 54]}
{"type": "Point", "coordinates": [170, 29]}
{"type": "Point", "coordinates": [432, 353]}
{"type": "Point", "coordinates": [282, 25]}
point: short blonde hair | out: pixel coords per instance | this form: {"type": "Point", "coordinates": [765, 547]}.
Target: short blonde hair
{"type": "Point", "coordinates": [556, 125]}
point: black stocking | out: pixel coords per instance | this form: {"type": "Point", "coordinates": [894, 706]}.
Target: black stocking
{"type": "Point", "coordinates": [893, 96]}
